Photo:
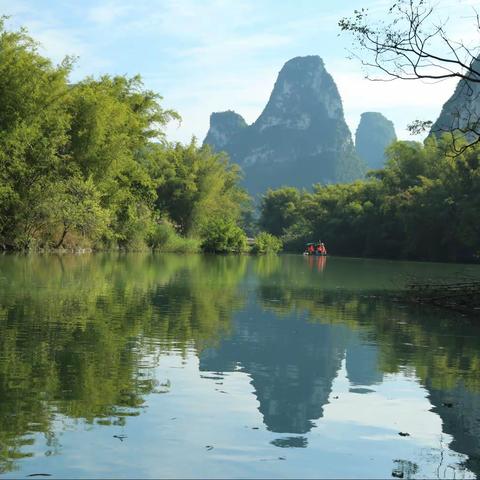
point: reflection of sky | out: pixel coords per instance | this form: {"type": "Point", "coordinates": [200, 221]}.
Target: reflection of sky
{"type": "Point", "coordinates": [357, 436]}
{"type": "Point", "coordinates": [368, 425]}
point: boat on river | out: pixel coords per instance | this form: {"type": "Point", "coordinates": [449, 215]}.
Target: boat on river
{"type": "Point", "coordinates": [316, 249]}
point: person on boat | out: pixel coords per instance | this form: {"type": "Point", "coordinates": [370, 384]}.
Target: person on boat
{"type": "Point", "coordinates": [319, 248]}
{"type": "Point", "coordinates": [323, 248]}
{"type": "Point", "coordinates": [310, 249]}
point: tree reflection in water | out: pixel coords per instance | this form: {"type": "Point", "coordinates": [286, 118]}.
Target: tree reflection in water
{"type": "Point", "coordinates": [82, 335]}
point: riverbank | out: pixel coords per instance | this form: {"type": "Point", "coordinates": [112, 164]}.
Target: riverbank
{"type": "Point", "coordinates": [222, 237]}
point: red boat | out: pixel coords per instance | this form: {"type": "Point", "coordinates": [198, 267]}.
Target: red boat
{"type": "Point", "coordinates": [317, 249]}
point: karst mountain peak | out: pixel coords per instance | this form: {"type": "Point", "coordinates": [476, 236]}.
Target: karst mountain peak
{"type": "Point", "coordinates": [301, 136]}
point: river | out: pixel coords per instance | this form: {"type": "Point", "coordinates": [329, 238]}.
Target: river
{"type": "Point", "coordinates": [169, 366]}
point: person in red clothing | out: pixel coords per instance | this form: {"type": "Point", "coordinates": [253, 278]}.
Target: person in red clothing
{"type": "Point", "coordinates": [311, 249]}
{"type": "Point", "coordinates": [319, 248]}
{"type": "Point", "coordinates": [323, 248]}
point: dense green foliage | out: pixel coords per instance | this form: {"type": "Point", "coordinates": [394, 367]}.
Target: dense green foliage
{"type": "Point", "coordinates": [165, 238]}
{"type": "Point", "coordinates": [87, 164]}
{"type": "Point", "coordinates": [266, 243]}
{"type": "Point", "coordinates": [197, 185]}
{"type": "Point", "coordinates": [223, 236]}
{"type": "Point", "coordinates": [422, 205]}
{"type": "Point", "coordinates": [279, 209]}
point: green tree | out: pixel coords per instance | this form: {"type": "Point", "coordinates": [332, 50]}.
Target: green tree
{"type": "Point", "coordinates": [87, 164]}
{"type": "Point", "coordinates": [279, 209]}
{"type": "Point", "coordinates": [114, 121]}
{"type": "Point", "coordinates": [75, 204]}
{"type": "Point", "coordinates": [421, 206]}
{"type": "Point", "coordinates": [196, 185]}
{"type": "Point", "coordinates": [266, 243]}
{"type": "Point", "coordinates": [33, 133]}
{"type": "Point", "coordinates": [223, 236]}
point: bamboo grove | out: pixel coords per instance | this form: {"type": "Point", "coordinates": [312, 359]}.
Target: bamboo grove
{"type": "Point", "coordinates": [87, 165]}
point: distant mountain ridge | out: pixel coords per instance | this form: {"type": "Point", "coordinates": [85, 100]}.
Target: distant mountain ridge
{"type": "Point", "coordinates": [374, 134]}
{"type": "Point", "coordinates": [300, 138]}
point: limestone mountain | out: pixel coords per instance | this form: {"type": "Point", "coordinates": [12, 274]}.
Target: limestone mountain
{"type": "Point", "coordinates": [462, 109]}
{"type": "Point", "coordinates": [300, 138]}
{"type": "Point", "coordinates": [374, 134]}
{"type": "Point", "coordinates": [223, 127]}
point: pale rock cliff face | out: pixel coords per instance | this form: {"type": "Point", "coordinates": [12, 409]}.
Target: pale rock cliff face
{"type": "Point", "coordinates": [223, 127]}
{"type": "Point", "coordinates": [300, 138]}
{"type": "Point", "coordinates": [462, 109]}
{"type": "Point", "coordinates": [374, 134]}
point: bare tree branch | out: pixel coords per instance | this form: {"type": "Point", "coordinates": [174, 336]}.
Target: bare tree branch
{"type": "Point", "coordinates": [411, 46]}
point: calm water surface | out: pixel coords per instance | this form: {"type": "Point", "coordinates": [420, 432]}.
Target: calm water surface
{"type": "Point", "coordinates": [194, 366]}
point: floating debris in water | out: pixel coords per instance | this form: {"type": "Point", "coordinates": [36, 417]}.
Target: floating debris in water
{"type": "Point", "coordinates": [209, 447]}
{"type": "Point", "coordinates": [404, 434]}
{"type": "Point", "coordinates": [120, 437]}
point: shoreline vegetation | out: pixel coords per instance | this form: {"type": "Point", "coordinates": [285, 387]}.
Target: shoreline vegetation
{"type": "Point", "coordinates": [423, 205]}
{"type": "Point", "coordinates": [87, 165]}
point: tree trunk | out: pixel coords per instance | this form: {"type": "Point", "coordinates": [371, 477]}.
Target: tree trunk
{"type": "Point", "coordinates": [59, 244]}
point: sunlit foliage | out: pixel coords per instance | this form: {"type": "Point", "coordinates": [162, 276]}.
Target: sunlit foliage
{"type": "Point", "coordinates": [422, 205]}
{"type": "Point", "coordinates": [87, 165]}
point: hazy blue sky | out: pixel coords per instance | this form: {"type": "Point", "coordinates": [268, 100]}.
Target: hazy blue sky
{"type": "Point", "coordinates": [213, 55]}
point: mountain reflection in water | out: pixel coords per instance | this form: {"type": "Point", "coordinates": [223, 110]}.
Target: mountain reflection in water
{"type": "Point", "coordinates": [169, 350]}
